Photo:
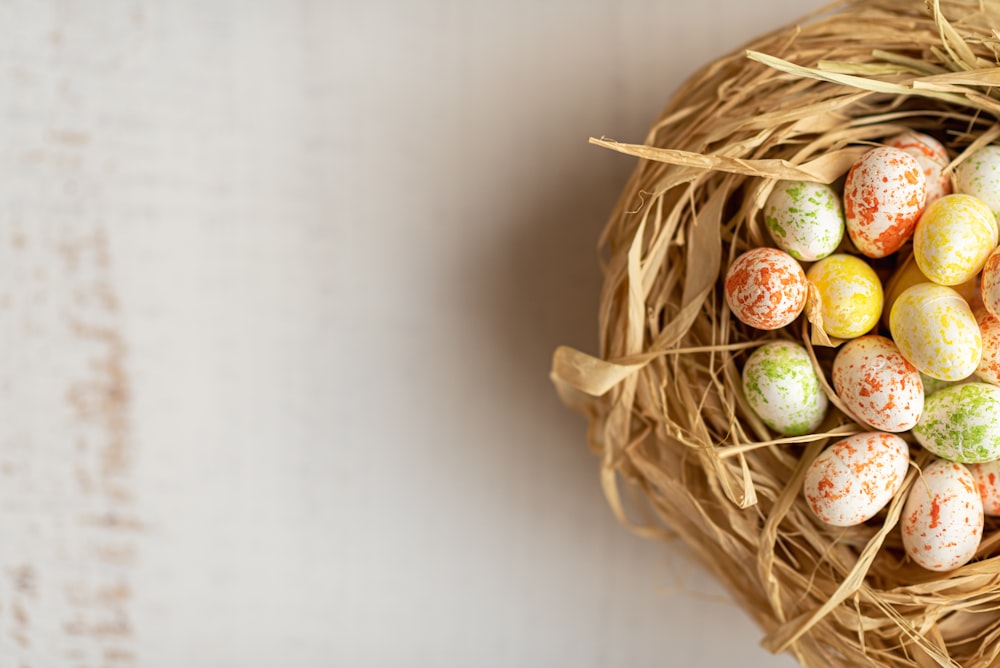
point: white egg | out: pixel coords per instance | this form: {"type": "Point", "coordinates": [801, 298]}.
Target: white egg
{"type": "Point", "coordinates": [783, 389]}
{"type": "Point", "coordinates": [855, 478]}
{"type": "Point", "coordinates": [979, 175]}
{"type": "Point", "coordinates": [942, 522]}
{"type": "Point", "coordinates": [878, 384]}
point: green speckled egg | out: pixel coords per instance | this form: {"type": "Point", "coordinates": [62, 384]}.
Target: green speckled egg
{"type": "Point", "coordinates": [783, 389]}
{"type": "Point", "coordinates": [979, 175]}
{"type": "Point", "coordinates": [962, 423]}
{"type": "Point", "coordinates": [805, 219]}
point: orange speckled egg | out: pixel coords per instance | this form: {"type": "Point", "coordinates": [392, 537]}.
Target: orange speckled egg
{"type": "Point", "coordinates": [990, 283]}
{"type": "Point", "coordinates": [878, 384]}
{"type": "Point", "coordinates": [932, 158]}
{"type": "Point", "coordinates": [883, 198]}
{"type": "Point", "coordinates": [989, 364]}
{"type": "Point", "coordinates": [766, 288]}
{"type": "Point", "coordinates": [942, 521]}
{"type": "Point", "coordinates": [855, 478]}
{"type": "Point", "coordinates": [987, 477]}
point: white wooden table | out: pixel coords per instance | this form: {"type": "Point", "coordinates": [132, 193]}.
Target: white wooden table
{"type": "Point", "coordinates": [279, 284]}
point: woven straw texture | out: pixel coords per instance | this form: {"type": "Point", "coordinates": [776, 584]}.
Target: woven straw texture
{"type": "Point", "coordinates": [681, 453]}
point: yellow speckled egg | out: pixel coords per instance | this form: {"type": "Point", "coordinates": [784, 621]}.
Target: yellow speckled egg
{"type": "Point", "coordinates": [954, 237]}
{"type": "Point", "coordinates": [909, 274]}
{"type": "Point", "coordinates": [936, 330]}
{"type": "Point", "coordinates": [851, 294]}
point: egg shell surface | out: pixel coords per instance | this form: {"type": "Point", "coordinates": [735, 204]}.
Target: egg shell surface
{"type": "Point", "coordinates": [932, 157]}
{"type": "Point", "coordinates": [853, 479]}
{"type": "Point", "coordinates": [989, 363]}
{"type": "Point", "coordinates": [962, 423]}
{"type": "Point", "coordinates": [979, 175]}
{"type": "Point", "coordinates": [942, 521]}
{"type": "Point", "coordinates": [987, 477]}
{"type": "Point", "coordinates": [851, 293]}
{"type": "Point", "coordinates": [805, 219]}
{"type": "Point", "coordinates": [935, 329]}
{"type": "Point", "coordinates": [878, 384]}
{"type": "Point", "coordinates": [782, 388]}
{"type": "Point", "coordinates": [883, 198]}
{"type": "Point", "coordinates": [908, 274]}
{"type": "Point", "coordinates": [953, 238]}
{"type": "Point", "coordinates": [990, 283]}
{"type": "Point", "coordinates": [766, 288]}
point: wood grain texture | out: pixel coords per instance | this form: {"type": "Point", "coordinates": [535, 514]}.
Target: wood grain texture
{"type": "Point", "coordinates": [279, 284]}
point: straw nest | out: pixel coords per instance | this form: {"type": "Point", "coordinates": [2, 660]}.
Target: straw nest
{"type": "Point", "coordinates": [681, 453]}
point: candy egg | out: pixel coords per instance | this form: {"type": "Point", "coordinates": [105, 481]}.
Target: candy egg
{"type": "Point", "coordinates": [962, 423]}
{"type": "Point", "coordinates": [989, 362]}
{"type": "Point", "coordinates": [766, 288]}
{"type": "Point", "coordinates": [909, 274]}
{"type": "Point", "coordinates": [990, 285]}
{"type": "Point", "coordinates": [942, 522]}
{"type": "Point", "coordinates": [805, 219]}
{"type": "Point", "coordinates": [935, 329]}
{"type": "Point", "coordinates": [932, 158]}
{"type": "Point", "coordinates": [878, 384]}
{"type": "Point", "coordinates": [783, 389]}
{"type": "Point", "coordinates": [851, 294]}
{"type": "Point", "coordinates": [853, 479]}
{"type": "Point", "coordinates": [953, 239]}
{"type": "Point", "coordinates": [883, 197]}
{"type": "Point", "coordinates": [979, 175]}
{"type": "Point", "coordinates": [987, 477]}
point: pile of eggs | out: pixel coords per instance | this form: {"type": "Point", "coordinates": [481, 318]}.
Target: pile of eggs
{"type": "Point", "coordinates": [934, 380]}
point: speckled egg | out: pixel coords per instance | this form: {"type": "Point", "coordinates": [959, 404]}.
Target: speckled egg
{"type": "Point", "coordinates": [805, 219]}
{"type": "Point", "coordinates": [851, 294]}
{"type": "Point", "coordinates": [932, 158]}
{"type": "Point", "coordinates": [909, 274]}
{"type": "Point", "coordinates": [987, 477]}
{"type": "Point", "coordinates": [853, 479]}
{"type": "Point", "coordinates": [990, 284]}
{"type": "Point", "coordinates": [783, 389]}
{"type": "Point", "coordinates": [935, 329]}
{"type": "Point", "coordinates": [953, 239]}
{"type": "Point", "coordinates": [942, 522]}
{"type": "Point", "coordinates": [766, 288]}
{"type": "Point", "coordinates": [979, 175]}
{"type": "Point", "coordinates": [883, 197]}
{"type": "Point", "coordinates": [878, 384]}
{"type": "Point", "coordinates": [962, 423]}
{"type": "Point", "coordinates": [932, 385]}
{"type": "Point", "coordinates": [989, 362]}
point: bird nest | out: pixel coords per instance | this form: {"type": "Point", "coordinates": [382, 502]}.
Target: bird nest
{"type": "Point", "coordinates": [681, 452]}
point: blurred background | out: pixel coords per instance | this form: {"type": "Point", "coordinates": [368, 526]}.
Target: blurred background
{"type": "Point", "coordinates": [279, 287]}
